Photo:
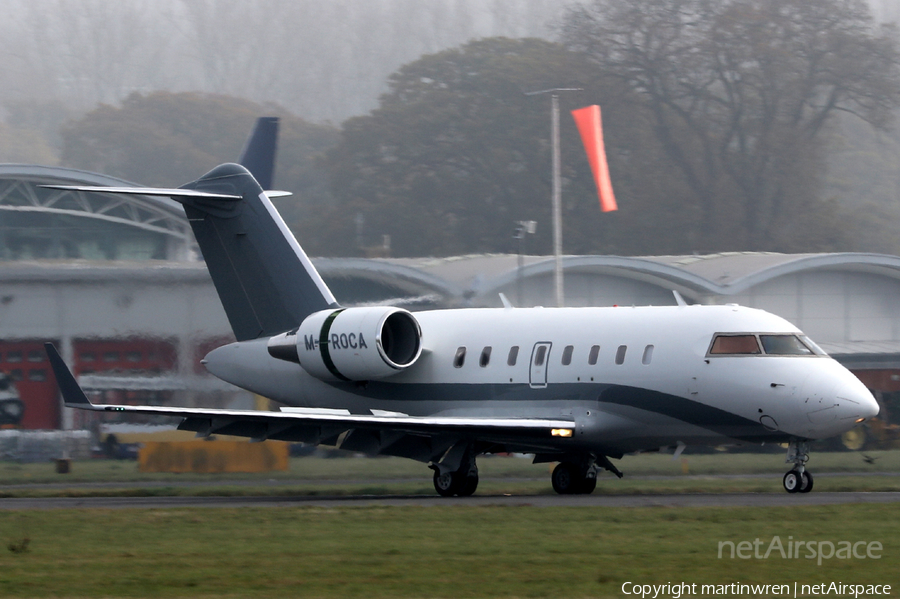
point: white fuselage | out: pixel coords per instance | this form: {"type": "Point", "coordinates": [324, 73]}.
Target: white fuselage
{"type": "Point", "coordinates": [632, 378]}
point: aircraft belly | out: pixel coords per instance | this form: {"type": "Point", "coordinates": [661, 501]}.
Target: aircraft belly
{"type": "Point", "coordinates": [608, 416]}
{"type": "Point", "coordinates": [629, 429]}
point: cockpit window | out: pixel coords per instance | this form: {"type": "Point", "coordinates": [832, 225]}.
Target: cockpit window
{"type": "Point", "coordinates": [784, 345]}
{"type": "Point", "coordinates": [812, 345]}
{"type": "Point", "coordinates": [742, 345]}
{"type": "Point", "coordinates": [747, 344]}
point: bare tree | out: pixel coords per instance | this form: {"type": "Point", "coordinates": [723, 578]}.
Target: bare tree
{"type": "Point", "coordinates": [323, 60]}
{"type": "Point", "coordinates": [90, 51]}
{"type": "Point", "coordinates": [740, 92]}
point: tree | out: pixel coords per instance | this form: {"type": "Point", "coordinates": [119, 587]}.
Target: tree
{"type": "Point", "coordinates": [167, 139]}
{"type": "Point", "coordinates": [25, 145]}
{"type": "Point", "coordinates": [740, 94]}
{"type": "Point", "coordinates": [456, 153]}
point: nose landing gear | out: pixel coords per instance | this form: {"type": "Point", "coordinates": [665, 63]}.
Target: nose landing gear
{"type": "Point", "coordinates": [798, 479]}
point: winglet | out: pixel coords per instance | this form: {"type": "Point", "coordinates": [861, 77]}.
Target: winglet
{"type": "Point", "coordinates": [65, 380]}
{"type": "Point", "coordinates": [258, 155]}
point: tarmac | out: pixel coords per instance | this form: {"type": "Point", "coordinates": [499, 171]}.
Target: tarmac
{"type": "Point", "coordinates": [540, 501]}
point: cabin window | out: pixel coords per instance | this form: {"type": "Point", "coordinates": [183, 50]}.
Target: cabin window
{"type": "Point", "coordinates": [648, 355]}
{"type": "Point", "coordinates": [784, 345]}
{"type": "Point", "coordinates": [460, 358]}
{"type": "Point", "coordinates": [567, 355]}
{"type": "Point", "coordinates": [540, 355]}
{"type": "Point", "coordinates": [485, 357]}
{"type": "Point", "coordinates": [620, 354]}
{"type": "Point", "coordinates": [513, 355]}
{"type": "Point", "coordinates": [741, 345]}
{"type": "Point", "coordinates": [593, 355]}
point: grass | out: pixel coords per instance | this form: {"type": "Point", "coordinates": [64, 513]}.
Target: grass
{"type": "Point", "coordinates": [449, 551]}
{"type": "Point", "coordinates": [648, 474]}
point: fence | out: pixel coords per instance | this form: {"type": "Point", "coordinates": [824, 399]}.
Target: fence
{"type": "Point", "coordinates": [44, 446]}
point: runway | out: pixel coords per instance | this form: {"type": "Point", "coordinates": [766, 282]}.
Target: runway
{"type": "Point", "coordinates": [539, 501]}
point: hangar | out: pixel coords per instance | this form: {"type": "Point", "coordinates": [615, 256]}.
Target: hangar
{"type": "Point", "coordinates": [118, 284]}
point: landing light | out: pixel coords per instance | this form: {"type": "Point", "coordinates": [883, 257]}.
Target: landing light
{"type": "Point", "coordinates": [858, 420]}
{"type": "Point", "coordinates": [561, 432]}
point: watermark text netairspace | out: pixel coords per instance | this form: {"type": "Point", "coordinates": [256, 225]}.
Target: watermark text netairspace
{"type": "Point", "coordinates": [821, 551]}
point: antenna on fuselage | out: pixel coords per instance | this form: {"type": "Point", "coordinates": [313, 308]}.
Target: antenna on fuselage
{"type": "Point", "coordinates": [678, 299]}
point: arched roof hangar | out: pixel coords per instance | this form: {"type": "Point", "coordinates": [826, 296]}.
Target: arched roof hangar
{"type": "Point", "coordinates": [56, 224]}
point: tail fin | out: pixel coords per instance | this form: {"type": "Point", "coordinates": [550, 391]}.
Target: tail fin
{"type": "Point", "coordinates": [258, 155]}
{"type": "Point", "coordinates": [265, 281]}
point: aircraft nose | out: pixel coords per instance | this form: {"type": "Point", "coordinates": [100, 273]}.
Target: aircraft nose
{"type": "Point", "coordinates": [856, 401]}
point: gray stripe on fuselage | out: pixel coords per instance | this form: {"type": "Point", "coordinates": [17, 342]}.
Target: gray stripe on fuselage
{"type": "Point", "coordinates": [427, 399]}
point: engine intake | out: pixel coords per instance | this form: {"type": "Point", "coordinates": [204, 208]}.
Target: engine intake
{"type": "Point", "coordinates": [352, 344]}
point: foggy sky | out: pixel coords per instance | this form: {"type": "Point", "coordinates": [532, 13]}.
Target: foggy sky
{"type": "Point", "coordinates": [322, 60]}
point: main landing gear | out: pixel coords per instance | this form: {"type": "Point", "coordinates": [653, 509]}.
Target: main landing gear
{"type": "Point", "coordinates": [579, 476]}
{"type": "Point", "coordinates": [798, 479]}
{"type": "Point", "coordinates": [461, 482]}
{"type": "Point", "coordinates": [574, 479]}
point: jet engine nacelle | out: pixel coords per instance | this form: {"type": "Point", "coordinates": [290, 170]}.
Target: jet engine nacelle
{"type": "Point", "coordinates": [352, 344]}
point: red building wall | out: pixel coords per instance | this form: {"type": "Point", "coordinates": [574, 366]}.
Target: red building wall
{"type": "Point", "coordinates": [26, 364]}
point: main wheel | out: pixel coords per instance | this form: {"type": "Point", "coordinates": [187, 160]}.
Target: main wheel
{"type": "Point", "coordinates": [566, 478]}
{"type": "Point", "coordinates": [588, 485]}
{"type": "Point", "coordinates": [470, 483]}
{"type": "Point", "coordinates": [793, 481]}
{"type": "Point", "coordinates": [806, 482]}
{"type": "Point", "coordinates": [448, 484]}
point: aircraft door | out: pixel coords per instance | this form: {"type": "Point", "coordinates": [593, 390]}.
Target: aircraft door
{"type": "Point", "coordinates": [540, 359]}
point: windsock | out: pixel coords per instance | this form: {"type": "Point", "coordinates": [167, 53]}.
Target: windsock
{"type": "Point", "coordinates": [591, 128]}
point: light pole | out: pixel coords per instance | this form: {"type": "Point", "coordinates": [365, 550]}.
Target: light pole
{"type": "Point", "coordinates": [557, 189]}
{"type": "Point", "coordinates": [523, 227]}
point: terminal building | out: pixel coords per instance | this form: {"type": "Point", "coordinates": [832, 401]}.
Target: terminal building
{"type": "Point", "coordinates": [118, 284]}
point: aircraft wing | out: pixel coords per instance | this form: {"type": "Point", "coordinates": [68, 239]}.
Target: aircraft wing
{"type": "Point", "coordinates": [325, 426]}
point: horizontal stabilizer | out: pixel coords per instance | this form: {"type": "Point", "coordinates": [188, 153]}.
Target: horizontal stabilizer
{"type": "Point", "coordinates": [150, 191]}
{"type": "Point", "coordinates": [164, 192]}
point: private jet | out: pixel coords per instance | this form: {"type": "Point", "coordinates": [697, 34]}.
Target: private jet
{"type": "Point", "coordinates": [579, 387]}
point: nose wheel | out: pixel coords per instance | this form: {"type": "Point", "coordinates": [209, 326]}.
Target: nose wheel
{"type": "Point", "coordinates": [798, 479]}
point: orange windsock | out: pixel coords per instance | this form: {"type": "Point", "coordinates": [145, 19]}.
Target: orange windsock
{"type": "Point", "coordinates": [591, 129]}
